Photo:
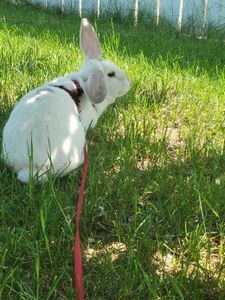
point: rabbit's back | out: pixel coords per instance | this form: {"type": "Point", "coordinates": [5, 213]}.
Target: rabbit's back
{"type": "Point", "coordinates": [44, 128]}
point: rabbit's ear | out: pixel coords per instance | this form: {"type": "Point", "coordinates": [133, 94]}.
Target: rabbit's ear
{"type": "Point", "coordinates": [89, 42]}
{"type": "Point", "coordinates": [96, 87]}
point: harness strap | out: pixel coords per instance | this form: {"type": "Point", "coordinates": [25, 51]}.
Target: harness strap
{"type": "Point", "coordinates": [74, 94]}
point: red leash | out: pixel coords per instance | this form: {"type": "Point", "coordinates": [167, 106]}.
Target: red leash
{"type": "Point", "coordinates": [77, 251]}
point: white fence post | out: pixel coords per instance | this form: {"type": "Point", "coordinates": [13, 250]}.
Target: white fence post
{"type": "Point", "coordinates": [62, 5]}
{"type": "Point", "coordinates": [205, 12]}
{"type": "Point", "coordinates": [157, 12]}
{"type": "Point", "coordinates": [180, 18]}
{"type": "Point", "coordinates": [98, 8]}
{"type": "Point", "coordinates": [136, 7]}
{"type": "Point", "coordinates": [80, 8]}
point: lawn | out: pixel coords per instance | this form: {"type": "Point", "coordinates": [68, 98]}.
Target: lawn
{"type": "Point", "coordinates": [153, 221]}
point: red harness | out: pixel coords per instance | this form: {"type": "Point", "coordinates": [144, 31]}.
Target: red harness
{"type": "Point", "coordinates": [74, 94]}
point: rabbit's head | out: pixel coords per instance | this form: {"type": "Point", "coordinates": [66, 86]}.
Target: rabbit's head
{"type": "Point", "coordinates": [102, 80]}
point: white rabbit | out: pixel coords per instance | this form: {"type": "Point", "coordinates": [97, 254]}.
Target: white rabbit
{"type": "Point", "coordinates": [46, 130]}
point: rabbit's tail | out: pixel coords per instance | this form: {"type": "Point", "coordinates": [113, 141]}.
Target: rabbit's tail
{"type": "Point", "coordinates": [24, 175]}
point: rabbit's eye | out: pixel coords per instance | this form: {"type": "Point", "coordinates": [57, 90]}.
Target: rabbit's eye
{"type": "Point", "coordinates": [111, 74]}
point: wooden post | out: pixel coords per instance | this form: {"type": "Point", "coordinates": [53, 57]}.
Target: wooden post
{"type": "Point", "coordinates": [136, 8]}
{"type": "Point", "coordinates": [157, 11]}
{"type": "Point", "coordinates": [180, 18]}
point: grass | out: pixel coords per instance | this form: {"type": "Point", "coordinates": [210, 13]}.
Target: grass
{"type": "Point", "coordinates": [153, 218]}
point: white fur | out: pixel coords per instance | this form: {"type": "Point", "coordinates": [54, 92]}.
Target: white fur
{"type": "Point", "coordinates": [45, 130]}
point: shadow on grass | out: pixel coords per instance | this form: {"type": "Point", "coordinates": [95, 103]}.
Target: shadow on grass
{"type": "Point", "coordinates": [157, 229]}
{"type": "Point", "coordinates": [166, 230]}
{"type": "Point", "coordinates": [144, 280]}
